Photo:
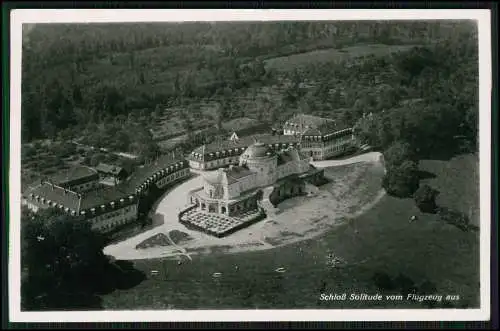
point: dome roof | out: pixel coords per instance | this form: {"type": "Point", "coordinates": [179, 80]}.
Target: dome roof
{"type": "Point", "coordinates": [258, 150]}
{"type": "Point", "coordinates": [215, 177]}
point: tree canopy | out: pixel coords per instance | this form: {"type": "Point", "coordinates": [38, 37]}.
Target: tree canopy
{"type": "Point", "coordinates": [63, 262]}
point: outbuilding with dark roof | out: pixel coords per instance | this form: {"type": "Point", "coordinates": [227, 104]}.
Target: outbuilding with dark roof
{"type": "Point", "coordinates": [109, 170]}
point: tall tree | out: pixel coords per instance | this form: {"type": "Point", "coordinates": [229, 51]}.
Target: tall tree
{"type": "Point", "coordinates": [63, 259]}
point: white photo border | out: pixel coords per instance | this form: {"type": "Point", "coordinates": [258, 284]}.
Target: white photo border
{"type": "Point", "coordinates": [23, 16]}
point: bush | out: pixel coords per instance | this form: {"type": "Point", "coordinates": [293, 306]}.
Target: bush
{"type": "Point", "coordinates": [398, 153]}
{"type": "Point", "coordinates": [401, 181]}
{"type": "Point", "coordinates": [455, 218]}
{"type": "Point", "coordinates": [425, 198]}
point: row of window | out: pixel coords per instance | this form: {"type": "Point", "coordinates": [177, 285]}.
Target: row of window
{"type": "Point", "coordinates": [334, 149]}
{"type": "Point", "coordinates": [341, 142]}
{"type": "Point", "coordinates": [315, 153]}
{"type": "Point", "coordinates": [222, 162]}
{"type": "Point", "coordinates": [172, 177]}
{"type": "Point", "coordinates": [112, 214]}
{"type": "Point", "coordinates": [84, 186]}
{"type": "Point", "coordinates": [111, 225]}
{"type": "Point", "coordinates": [320, 144]}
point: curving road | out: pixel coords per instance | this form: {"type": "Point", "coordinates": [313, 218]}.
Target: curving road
{"type": "Point", "coordinates": [168, 208]}
{"type": "Point", "coordinates": [367, 157]}
{"type": "Point", "coordinates": [170, 205]}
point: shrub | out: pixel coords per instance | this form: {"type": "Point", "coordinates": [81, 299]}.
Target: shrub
{"type": "Point", "coordinates": [401, 181]}
{"type": "Point", "coordinates": [398, 153]}
{"type": "Point", "coordinates": [455, 218]}
{"type": "Point", "coordinates": [425, 198]}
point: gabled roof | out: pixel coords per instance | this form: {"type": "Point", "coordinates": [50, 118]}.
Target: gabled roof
{"type": "Point", "coordinates": [142, 173]}
{"type": "Point", "coordinates": [56, 194]}
{"type": "Point", "coordinates": [330, 128]}
{"type": "Point", "coordinates": [303, 120]}
{"type": "Point", "coordinates": [103, 195]}
{"type": "Point", "coordinates": [79, 201]}
{"type": "Point", "coordinates": [109, 168]}
{"type": "Point", "coordinates": [74, 176]}
{"type": "Point", "coordinates": [312, 132]}
{"type": "Point", "coordinates": [310, 125]}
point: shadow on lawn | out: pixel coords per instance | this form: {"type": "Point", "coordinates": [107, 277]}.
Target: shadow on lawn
{"type": "Point", "coordinates": [83, 293]}
{"type": "Point", "coordinates": [130, 230]}
{"type": "Point", "coordinates": [120, 275]}
{"type": "Point", "coordinates": [422, 174]}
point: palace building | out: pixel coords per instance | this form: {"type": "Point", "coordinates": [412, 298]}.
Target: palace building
{"type": "Point", "coordinates": [234, 197]}
{"type": "Point", "coordinates": [320, 138]}
{"type": "Point", "coordinates": [106, 207]}
{"type": "Point", "coordinates": [227, 152]}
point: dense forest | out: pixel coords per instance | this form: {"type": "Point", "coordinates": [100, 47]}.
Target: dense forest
{"type": "Point", "coordinates": [77, 76]}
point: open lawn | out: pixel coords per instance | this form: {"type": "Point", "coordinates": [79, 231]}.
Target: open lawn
{"type": "Point", "coordinates": [286, 63]}
{"type": "Point", "coordinates": [457, 180]}
{"type": "Point", "coordinates": [381, 240]}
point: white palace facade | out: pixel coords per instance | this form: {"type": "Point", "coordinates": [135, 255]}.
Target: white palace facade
{"type": "Point", "coordinates": [320, 138]}
{"type": "Point", "coordinates": [231, 197]}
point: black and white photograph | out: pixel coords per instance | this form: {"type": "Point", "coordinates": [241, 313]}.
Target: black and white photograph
{"type": "Point", "coordinates": [258, 165]}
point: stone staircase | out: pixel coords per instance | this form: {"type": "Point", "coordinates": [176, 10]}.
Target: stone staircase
{"type": "Point", "coordinates": [266, 204]}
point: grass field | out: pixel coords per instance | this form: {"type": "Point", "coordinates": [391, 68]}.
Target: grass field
{"type": "Point", "coordinates": [450, 176]}
{"type": "Point", "coordinates": [384, 241]}
{"type": "Point", "coordinates": [286, 63]}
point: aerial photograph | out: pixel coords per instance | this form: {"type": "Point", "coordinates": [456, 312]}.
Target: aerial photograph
{"type": "Point", "coordinates": [250, 165]}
